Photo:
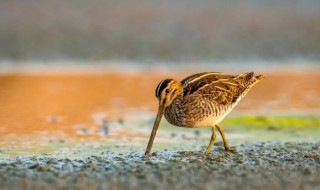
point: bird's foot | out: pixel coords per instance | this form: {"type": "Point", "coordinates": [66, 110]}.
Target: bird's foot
{"type": "Point", "coordinates": [231, 149]}
{"type": "Point", "coordinates": [147, 155]}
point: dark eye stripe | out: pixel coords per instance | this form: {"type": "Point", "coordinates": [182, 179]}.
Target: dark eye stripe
{"type": "Point", "coordinates": [162, 85]}
{"type": "Point", "coordinates": [174, 91]}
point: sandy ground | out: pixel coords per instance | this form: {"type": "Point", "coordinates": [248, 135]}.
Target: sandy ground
{"type": "Point", "coordinates": [255, 166]}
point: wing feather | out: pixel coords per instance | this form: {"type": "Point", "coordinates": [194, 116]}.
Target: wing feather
{"type": "Point", "coordinates": [218, 87]}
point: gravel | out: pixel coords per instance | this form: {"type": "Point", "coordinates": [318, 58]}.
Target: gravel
{"type": "Point", "coordinates": [271, 165]}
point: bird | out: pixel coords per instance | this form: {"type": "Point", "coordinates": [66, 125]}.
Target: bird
{"type": "Point", "coordinates": [201, 100]}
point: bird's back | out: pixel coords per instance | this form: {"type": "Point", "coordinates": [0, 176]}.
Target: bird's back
{"type": "Point", "coordinates": [228, 87]}
{"type": "Point", "coordinates": [209, 97]}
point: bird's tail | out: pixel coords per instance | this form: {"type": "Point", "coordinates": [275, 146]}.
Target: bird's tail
{"type": "Point", "coordinates": [260, 77]}
{"type": "Point", "coordinates": [250, 78]}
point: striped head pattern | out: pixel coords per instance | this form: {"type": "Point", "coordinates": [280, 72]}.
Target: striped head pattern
{"type": "Point", "coordinates": [167, 90]}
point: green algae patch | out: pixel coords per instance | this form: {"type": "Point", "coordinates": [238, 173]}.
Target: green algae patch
{"type": "Point", "coordinates": [274, 122]}
{"type": "Point", "coordinates": [241, 129]}
{"type": "Point", "coordinates": [265, 122]}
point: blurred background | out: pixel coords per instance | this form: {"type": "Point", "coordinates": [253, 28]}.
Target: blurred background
{"type": "Point", "coordinates": [77, 69]}
{"type": "Point", "coordinates": [172, 30]}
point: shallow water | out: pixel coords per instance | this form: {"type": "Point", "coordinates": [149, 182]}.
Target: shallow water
{"type": "Point", "coordinates": [74, 105]}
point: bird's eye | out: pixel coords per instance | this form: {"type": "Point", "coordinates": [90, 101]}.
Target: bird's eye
{"type": "Point", "coordinates": [167, 91]}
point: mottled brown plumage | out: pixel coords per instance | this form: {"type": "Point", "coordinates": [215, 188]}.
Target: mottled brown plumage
{"type": "Point", "coordinates": [201, 100]}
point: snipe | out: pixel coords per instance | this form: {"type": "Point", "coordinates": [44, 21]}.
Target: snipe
{"type": "Point", "coordinates": [201, 100]}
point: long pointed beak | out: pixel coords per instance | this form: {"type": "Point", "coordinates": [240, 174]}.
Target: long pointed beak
{"type": "Point", "coordinates": [154, 130]}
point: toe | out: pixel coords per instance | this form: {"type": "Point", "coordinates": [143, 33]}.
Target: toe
{"type": "Point", "coordinates": [231, 149]}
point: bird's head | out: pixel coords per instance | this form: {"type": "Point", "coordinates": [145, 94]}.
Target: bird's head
{"type": "Point", "coordinates": [167, 90]}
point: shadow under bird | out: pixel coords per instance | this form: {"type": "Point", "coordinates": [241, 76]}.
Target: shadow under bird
{"type": "Point", "coordinates": [201, 100]}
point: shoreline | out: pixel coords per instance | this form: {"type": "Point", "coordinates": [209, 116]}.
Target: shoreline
{"type": "Point", "coordinates": [61, 67]}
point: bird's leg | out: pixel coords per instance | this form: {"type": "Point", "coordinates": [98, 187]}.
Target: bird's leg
{"type": "Point", "coordinates": [213, 137]}
{"type": "Point", "coordinates": [225, 142]}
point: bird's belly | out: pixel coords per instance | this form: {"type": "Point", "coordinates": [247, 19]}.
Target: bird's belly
{"type": "Point", "coordinates": [209, 121]}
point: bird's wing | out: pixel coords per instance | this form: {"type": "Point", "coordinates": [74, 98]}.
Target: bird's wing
{"type": "Point", "coordinates": [218, 87]}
